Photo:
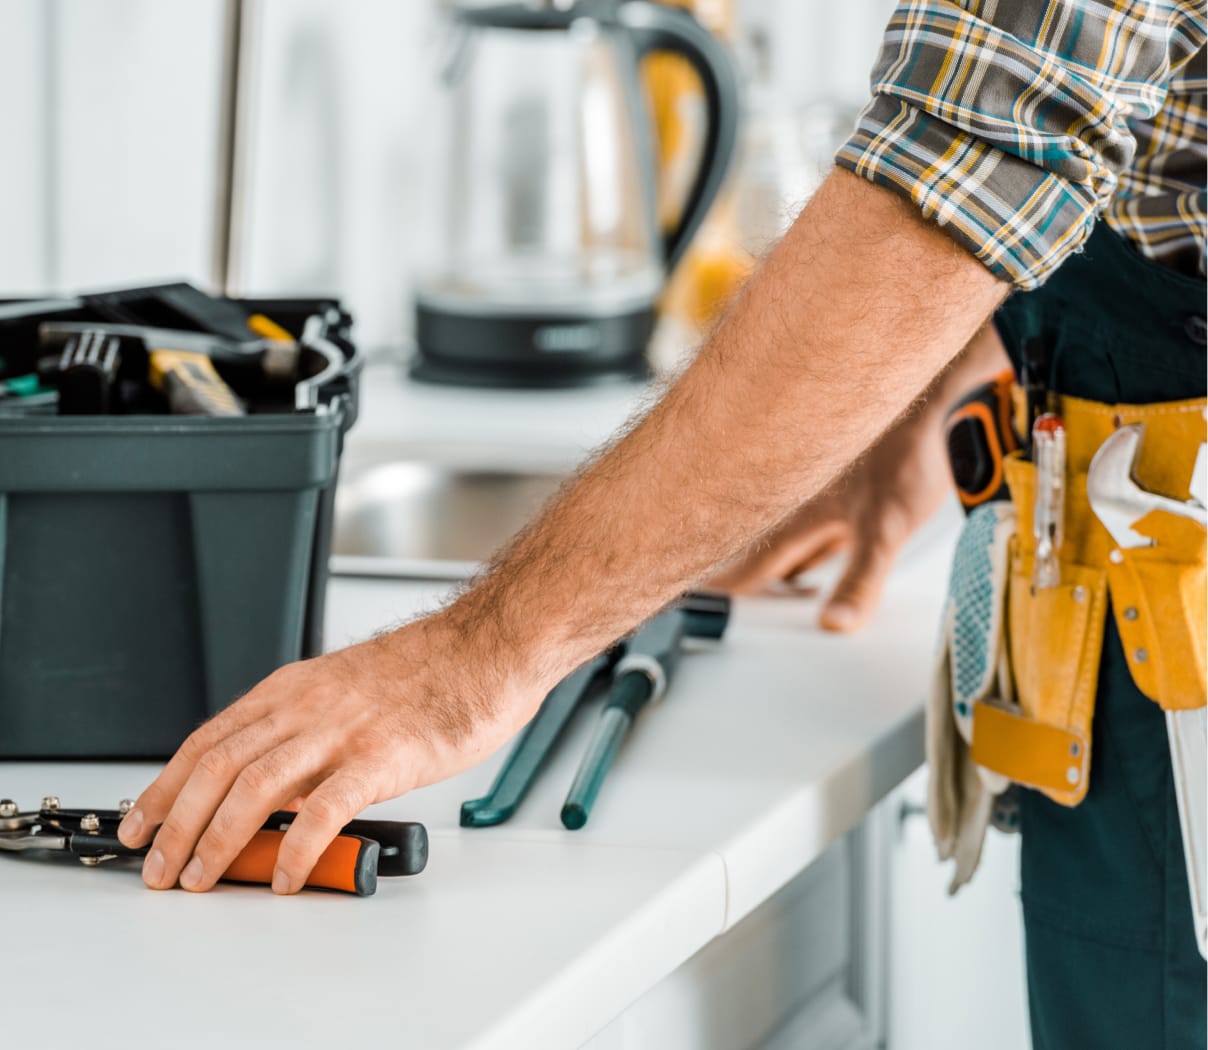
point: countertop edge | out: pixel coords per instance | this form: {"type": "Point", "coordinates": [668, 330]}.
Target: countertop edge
{"type": "Point", "coordinates": [668, 930]}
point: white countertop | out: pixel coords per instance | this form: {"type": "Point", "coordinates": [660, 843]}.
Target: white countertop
{"type": "Point", "coordinates": [768, 747]}
{"type": "Point", "coordinates": [544, 431]}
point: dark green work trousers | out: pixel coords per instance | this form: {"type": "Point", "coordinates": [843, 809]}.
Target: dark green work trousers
{"type": "Point", "coordinates": [1111, 956]}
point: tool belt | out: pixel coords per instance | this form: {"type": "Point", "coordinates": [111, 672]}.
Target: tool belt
{"type": "Point", "coordinates": [1054, 635]}
{"type": "Point", "coordinates": [1016, 679]}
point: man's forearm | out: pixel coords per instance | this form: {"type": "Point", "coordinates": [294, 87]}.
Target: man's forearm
{"type": "Point", "coordinates": [848, 320]}
{"type": "Point", "coordinates": [981, 360]}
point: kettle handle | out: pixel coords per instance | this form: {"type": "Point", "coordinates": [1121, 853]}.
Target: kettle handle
{"type": "Point", "coordinates": [654, 27]}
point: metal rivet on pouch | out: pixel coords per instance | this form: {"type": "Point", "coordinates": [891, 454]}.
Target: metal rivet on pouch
{"type": "Point", "coordinates": [1079, 594]}
{"type": "Point", "coordinates": [1116, 557]}
{"type": "Point", "coordinates": [8, 808]}
{"type": "Point", "coordinates": [1072, 774]}
{"type": "Point", "coordinates": [90, 822]}
{"type": "Point", "coordinates": [1131, 613]}
{"type": "Point", "coordinates": [1141, 655]}
{"type": "Point", "coordinates": [50, 802]}
{"type": "Point", "coordinates": [125, 806]}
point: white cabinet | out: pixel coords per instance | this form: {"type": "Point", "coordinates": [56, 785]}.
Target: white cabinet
{"type": "Point", "coordinates": [807, 968]}
{"type": "Point", "coordinates": [790, 975]}
{"type": "Point", "coordinates": [956, 972]}
{"type": "Point", "coordinates": [865, 949]}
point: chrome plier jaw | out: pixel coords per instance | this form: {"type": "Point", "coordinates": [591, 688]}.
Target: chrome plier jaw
{"type": "Point", "coordinates": [89, 836]}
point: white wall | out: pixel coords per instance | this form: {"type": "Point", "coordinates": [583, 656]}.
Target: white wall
{"type": "Point", "coordinates": [820, 48]}
{"type": "Point", "coordinates": [340, 134]}
{"type": "Point", "coordinates": [24, 216]}
{"type": "Point", "coordinates": [115, 105]}
{"type": "Point", "coordinates": [110, 116]}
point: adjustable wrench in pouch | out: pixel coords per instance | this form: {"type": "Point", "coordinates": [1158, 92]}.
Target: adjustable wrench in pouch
{"type": "Point", "coordinates": [1120, 502]}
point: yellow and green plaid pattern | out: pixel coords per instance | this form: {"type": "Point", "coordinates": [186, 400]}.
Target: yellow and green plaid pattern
{"type": "Point", "coordinates": [1013, 124]}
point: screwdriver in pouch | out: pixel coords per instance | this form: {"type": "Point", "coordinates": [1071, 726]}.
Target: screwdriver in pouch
{"type": "Point", "coordinates": [639, 678]}
{"type": "Point", "coordinates": [1048, 453]}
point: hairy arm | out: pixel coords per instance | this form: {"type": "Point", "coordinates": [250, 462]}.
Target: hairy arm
{"type": "Point", "coordinates": [873, 508]}
{"type": "Point", "coordinates": [845, 324]}
{"type": "Point", "coordinates": [849, 319]}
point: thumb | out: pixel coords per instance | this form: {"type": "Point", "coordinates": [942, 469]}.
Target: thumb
{"type": "Point", "coordinates": [858, 591]}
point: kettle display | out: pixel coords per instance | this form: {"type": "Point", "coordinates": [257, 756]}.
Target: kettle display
{"type": "Point", "coordinates": [546, 259]}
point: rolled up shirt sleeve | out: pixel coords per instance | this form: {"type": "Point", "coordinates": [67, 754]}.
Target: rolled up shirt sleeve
{"type": "Point", "coordinates": [1007, 121]}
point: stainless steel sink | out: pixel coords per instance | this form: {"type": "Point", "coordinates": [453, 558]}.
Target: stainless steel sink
{"type": "Point", "coordinates": [410, 511]}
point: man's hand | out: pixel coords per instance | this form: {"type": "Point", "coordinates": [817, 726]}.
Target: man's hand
{"type": "Point", "coordinates": [875, 507]}
{"type": "Point", "coordinates": [869, 512]}
{"type": "Point", "coordinates": [341, 731]}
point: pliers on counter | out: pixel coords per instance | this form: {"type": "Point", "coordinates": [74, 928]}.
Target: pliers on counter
{"type": "Point", "coordinates": [363, 850]}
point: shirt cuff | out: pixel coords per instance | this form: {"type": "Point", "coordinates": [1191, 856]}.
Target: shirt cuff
{"type": "Point", "coordinates": [1018, 219]}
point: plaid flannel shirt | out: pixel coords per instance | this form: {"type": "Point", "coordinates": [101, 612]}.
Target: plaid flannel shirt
{"type": "Point", "coordinates": [1014, 124]}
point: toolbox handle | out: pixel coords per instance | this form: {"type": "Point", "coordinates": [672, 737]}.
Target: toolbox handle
{"type": "Point", "coordinates": [314, 337]}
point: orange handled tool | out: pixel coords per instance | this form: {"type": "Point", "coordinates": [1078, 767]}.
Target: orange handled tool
{"type": "Point", "coordinates": [352, 863]}
{"type": "Point", "coordinates": [349, 864]}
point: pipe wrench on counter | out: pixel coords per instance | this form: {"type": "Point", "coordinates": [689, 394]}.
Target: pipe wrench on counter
{"type": "Point", "coordinates": [363, 850]}
{"type": "Point", "coordinates": [636, 673]}
{"type": "Point", "coordinates": [1120, 502]}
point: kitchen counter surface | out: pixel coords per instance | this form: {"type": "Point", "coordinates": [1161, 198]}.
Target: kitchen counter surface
{"type": "Point", "coordinates": [768, 748]}
{"type": "Point", "coordinates": [544, 431]}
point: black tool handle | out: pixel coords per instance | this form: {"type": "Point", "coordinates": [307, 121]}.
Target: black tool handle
{"type": "Point", "coordinates": [404, 842]}
{"type": "Point", "coordinates": [706, 614]}
{"type": "Point", "coordinates": [104, 843]}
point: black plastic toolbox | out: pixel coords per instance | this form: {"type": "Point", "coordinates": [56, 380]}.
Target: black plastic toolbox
{"type": "Point", "coordinates": [154, 567]}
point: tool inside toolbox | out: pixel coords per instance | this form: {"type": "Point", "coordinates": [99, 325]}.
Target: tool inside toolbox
{"type": "Point", "coordinates": [168, 349]}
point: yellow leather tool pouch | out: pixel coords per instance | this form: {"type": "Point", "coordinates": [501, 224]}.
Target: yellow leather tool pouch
{"type": "Point", "coordinates": [1160, 601]}
{"type": "Point", "coordinates": [1160, 592]}
{"type": "Point", "coordinates": [1054, 637]}
{"type": "Point", "coordinates": [1159, 596]}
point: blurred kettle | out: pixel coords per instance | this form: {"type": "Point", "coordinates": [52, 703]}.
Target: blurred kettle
{"type": "Point", "coordinates": [545, 259]}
